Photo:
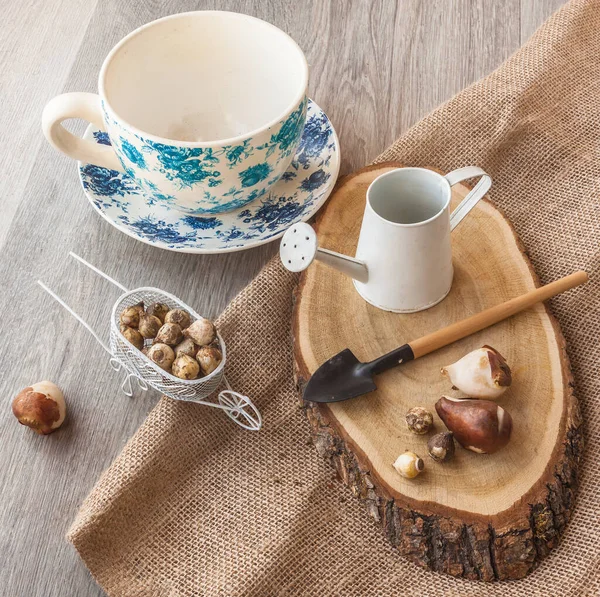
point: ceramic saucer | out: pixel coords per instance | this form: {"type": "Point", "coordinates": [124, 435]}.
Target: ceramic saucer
{"type": "Point", "coordinates": [296, 197]}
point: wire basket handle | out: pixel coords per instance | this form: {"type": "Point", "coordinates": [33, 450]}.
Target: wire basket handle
{"type": "Point", "coordinates": [99, 272]}
{"type": "Point", "coordinates": [77, 317]}
{"type": "Point", "coordinates": [72, 312]}
{"type": "Point", "coordinates": [115, 363]}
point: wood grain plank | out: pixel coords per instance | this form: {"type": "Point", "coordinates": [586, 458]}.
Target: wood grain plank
{"type": "Point", "coordinates": [34, 64]}
{"type": "Point", "coordinates": [534, 13]}
{"type": "Point", "coordinates": [376, 68]}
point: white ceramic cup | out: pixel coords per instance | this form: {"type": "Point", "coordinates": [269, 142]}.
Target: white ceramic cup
{"type": "Point", "coordinates": [405, 236]}
{"type": "Point", "coordinates": [203, 109]}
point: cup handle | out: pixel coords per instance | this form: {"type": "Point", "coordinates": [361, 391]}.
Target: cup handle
{"type": "Point", "coordinates": [469, 202]}
{"type": "Point", "coordinates": [77, 105]}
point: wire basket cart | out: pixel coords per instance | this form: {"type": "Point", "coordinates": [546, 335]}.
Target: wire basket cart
{"type": "Point", "coordinates": [136, 365]}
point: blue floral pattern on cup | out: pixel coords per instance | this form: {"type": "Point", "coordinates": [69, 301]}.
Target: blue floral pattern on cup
{"type": "Point", "coordinates": [236, 154]}
{"type": "Point", "coordinates": [203, 180]}
{"type": "Point", "coordinates": [133, 154]}
{"type": "Point", "coordinates": [286, 140]}
{"type": "Point", "coordinates": [143, 211]}
{"type": "Point", "coordinates": [254, 174]}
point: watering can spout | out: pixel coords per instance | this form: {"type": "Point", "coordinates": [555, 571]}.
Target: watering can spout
{"type": "Point", "coordinates": [299, 248]}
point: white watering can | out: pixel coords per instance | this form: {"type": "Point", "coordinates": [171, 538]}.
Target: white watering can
{"type": "Point", "coordinates": [403, 259]}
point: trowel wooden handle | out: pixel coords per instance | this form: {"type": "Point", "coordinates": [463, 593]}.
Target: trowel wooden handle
{"type": "Point", "coordinates": [493, 315]}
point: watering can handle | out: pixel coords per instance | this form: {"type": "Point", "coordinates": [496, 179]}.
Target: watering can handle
{"type": "Point", "coordinates": [469, 202]}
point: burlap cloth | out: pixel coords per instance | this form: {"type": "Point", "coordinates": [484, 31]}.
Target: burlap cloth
{"type": "Point", "coordinates": [194, 505]}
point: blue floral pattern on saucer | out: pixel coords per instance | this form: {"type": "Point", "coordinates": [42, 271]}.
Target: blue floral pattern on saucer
{"type": "Point", "coordinates": [295, 197]}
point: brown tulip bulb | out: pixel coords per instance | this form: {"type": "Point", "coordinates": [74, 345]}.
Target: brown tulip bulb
{"type": "Point", "coordinates": [180, 317]}
{"type": "Point", "coordinates": [169, 333]}
{"type": "Point", "coordinates": [158, 310]}
{"type": "Point", "coordinates": [133, 336]}
{"type": "Point", "coordinates": [478, 425]}
{"type": "Point", "coordinates": [202, 332]}
{"type": "Point", "coordinates": [162, 355]}
{"type": "Point", "coordinates": [130, 316]}
{"type": "Point", "coordinates": [149, 325]}
{"type": "Point", "coordinates": [441, 446]}
{"type": "Point", "coordinates": [208, 358]}
{"type": "Point", "coordinates": [41, 407]}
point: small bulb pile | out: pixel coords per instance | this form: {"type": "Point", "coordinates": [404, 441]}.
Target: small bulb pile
{"type": "Point", "coordinates": [476, 422]}
{"type": "Point", "coordinates": [169, 338]}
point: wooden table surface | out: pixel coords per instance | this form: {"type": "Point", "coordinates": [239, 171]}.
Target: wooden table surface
{"type": "Point", "coordinates": [376, 68]}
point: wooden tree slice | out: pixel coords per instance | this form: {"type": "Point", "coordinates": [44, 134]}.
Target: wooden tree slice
{"type": "Point", "coordinates": [479, 516]}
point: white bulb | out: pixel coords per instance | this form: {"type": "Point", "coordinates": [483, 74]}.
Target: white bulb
{"type": "Point", "coordinates": [483, 373]}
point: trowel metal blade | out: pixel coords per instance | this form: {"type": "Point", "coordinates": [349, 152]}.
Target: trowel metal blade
{"type": "Point", "coordinates": [342, 377]}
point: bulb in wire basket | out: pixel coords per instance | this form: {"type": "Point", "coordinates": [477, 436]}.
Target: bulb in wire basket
{"type": "Point", "coordinates": [162, 355]}
{"type": "Point", "coordinates": [130, 316]}
{"type": "Point", "coordinates": [169, 333]}
{"type": "Point", "coordinates": [186, 346]}
{"type": "Point", "coordinates": [149, 325]}
{"type": "Point", "coordinates": [180, 317]}
{"type": "Point", "coordinates": [185, 367]}
{"type": "Point", "coordinates": [133, 336]}
{"type": "Point", "coordinates": [209, 358]}
{"type": "Point", "coordinates": [202, 331]}
{"type": "Point", "coordinates": [158, 310]}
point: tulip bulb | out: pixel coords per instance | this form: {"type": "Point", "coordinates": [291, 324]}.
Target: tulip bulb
{"type": "Point", "coordinates": [441, 446]}
{"type": "Point", "coordinates": [202, 332]}
{"type": "Point", "coordinates": [483, 373]}
{"type": "Point", "coordinates": [419, 420]}
{"type": "Point", "coordinates": [409, 465]}
{"type": "Point", "coordinates": [40, 406]}
{"type": "Point", "coordinates": [478, 425]}
{"type": "Point", "coordinates": [209, 358]}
